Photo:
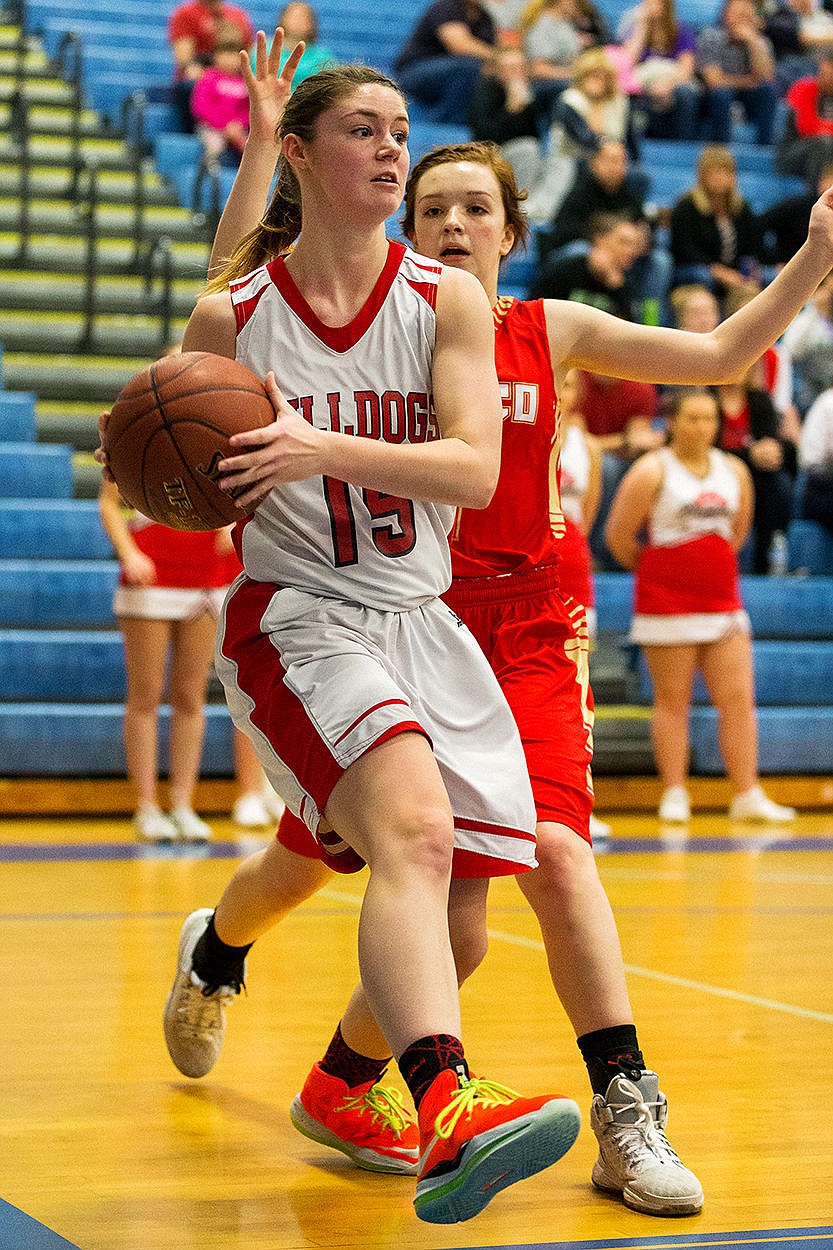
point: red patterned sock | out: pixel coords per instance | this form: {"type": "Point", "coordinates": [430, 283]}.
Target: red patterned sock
{"type": "Point", "coordinates": [344, 1062]}
{"type": "Point", "coordinates": [426, 1058]}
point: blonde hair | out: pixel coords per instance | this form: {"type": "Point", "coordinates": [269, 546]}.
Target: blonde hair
{"type": "Point", "coordinates": [589, 62]}
{"type": "Point", "coordinates": [281, 223]}
{"type": "Point", "coordinates": [715, 156]}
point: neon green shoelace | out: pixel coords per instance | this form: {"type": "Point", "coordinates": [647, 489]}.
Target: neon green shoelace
{"type": "Point", "coordinates": [384, 1104]}
{"type": "Point", "coordinates": [462, 1103]}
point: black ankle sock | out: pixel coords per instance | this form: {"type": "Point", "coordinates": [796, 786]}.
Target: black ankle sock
{"type": "Point", "coordinates": [217, 963]}
{"type": "Point", "coordinates": [347, 1064]}
{"type": "Point", "coordinates": [426, 1058]}
{"type": "Point", "coordinates": [609, 1053]}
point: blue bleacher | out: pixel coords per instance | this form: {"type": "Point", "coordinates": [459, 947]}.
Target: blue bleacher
{"type": "Point", "coordinates": [57, 592]}
{"type": "Point", "coordinates": [36, 470]}
{"type": "Point", "coordinates": [67, 739]}
{"type": "Point", "coordinates": [17, 416]}
{"type": "Point", "coordinates": [58, 529]}
{"type": "Point", "coordinates": [66, 665]}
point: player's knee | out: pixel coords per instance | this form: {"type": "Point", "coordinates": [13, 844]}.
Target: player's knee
{"type": "Point", "coordinates": [563, 858]}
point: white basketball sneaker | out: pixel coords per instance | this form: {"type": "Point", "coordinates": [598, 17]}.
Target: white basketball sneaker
{"type": "Point", "coordinates": [754, 805]}
{"type": "Point", "coordinates": [636, 1159]}
{"type": "Point", "coordinates": [675, 806]}
{"type": "Point", "coordinates": [194, 1018]}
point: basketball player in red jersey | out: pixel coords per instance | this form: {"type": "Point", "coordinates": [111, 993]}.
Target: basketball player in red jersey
{"type": "Point", "coordinates": [463, 208]}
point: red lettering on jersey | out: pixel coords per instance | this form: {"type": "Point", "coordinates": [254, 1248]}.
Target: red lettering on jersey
{"type": "Point", "coordinates": [333, 401]}
{"type": "Point", "coordinates": [418, 410]}
{"type": "Point", "coordinates": [368, 414]}
{"type": "Point", "coordinates": [394, 427]}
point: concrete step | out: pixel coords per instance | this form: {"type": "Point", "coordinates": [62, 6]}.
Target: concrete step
{"type": "Point", "coordinates": [56, 377]}
{"type": "Point", "coordinates": [66, 292]}
{"type": "Point", "coordinates": [114, 186]}
{"type": "Point", "coordinates": [56, 216]}
{"type": "Point", "coordinates": [109, 334]}
{"type": "Point", "coordinates": [46, 252]}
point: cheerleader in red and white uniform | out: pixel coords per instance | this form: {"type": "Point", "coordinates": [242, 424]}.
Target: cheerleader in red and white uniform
{"type": "Point", "coordinates": [696, 504]}
{"type": "Point", "coordinates": [575, 492]}
{"type": "Point", "coordinates": [171, 587]}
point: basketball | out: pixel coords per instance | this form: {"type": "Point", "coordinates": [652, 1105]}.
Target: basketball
{"type": "Point", "coordinates": [170, 427]}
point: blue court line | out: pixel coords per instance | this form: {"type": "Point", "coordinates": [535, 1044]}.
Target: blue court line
{"type": "Point", "coordinates": [20, 1232]}
{"type": "Point", "coordinates": [764, 1239]}
{"type": "Point", "coordinates": [36, 852]}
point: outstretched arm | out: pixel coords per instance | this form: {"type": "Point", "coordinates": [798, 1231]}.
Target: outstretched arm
{"type": "Point", "coordinates": [585, 338]}
{"type": "Point", "coordinates": [269, 89]}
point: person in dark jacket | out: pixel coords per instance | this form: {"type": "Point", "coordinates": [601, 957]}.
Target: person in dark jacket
{"type": "Point", "coordinates": [441, 60]}
{"type": "Point", "coordinates": [715, 236]}
{"type": "Point", "coordinates": [749, 429]}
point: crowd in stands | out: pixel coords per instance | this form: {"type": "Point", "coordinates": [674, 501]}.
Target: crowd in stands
{"type": "Point", "coordinates": [573, 104]}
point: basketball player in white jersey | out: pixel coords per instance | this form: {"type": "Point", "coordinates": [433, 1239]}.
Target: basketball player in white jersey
{"type": "Point", "coordinates": [372, 710]}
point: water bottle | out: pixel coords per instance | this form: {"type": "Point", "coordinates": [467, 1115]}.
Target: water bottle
{"type": "Point", "coordinates": [779, 564]}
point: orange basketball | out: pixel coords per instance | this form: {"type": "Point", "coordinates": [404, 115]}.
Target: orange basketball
{"type": "Point", "coordinates": [170, 427]}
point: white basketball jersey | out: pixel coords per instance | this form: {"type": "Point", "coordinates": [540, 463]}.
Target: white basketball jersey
{"type": "Point", "coordinates": [371, 379]}
{"type": "Point", "coordinates": [573, 473]}
{"type": "Point", "coordinates": [689, 506]}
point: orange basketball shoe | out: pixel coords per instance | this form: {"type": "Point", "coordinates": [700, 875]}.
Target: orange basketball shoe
{"type": "Point", "coordinates": [368, 1123]}
{"type": "Point", "coordinates": [478, 1138]}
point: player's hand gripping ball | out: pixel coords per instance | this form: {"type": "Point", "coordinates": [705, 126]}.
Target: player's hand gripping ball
{"type": "Point", "coordinates": [169, 429]}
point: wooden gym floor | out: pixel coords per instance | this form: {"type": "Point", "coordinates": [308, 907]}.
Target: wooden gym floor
{"type": "Point", "coordinates": [728, 939]}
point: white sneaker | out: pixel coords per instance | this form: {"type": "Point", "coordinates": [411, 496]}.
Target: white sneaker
{"type": "Point", "coordinates": [194, 1018]}
{"type": "Point", "coordinates": [636, 1159]}
{"type": "Point", "coordinates": [754, 805]}
{"type": "Point", "coordinates": [152, 825]}
{"type": "Point", "coordinates": [675, 806]}
{"type": "Point", "coordinates": [599, 829]}
{"type": "Point", "coordinates": [275, 805]}
{"type": "Point", "coordinates": [188, 826]}
{"type": "Point", "coordinates": [250, 812]}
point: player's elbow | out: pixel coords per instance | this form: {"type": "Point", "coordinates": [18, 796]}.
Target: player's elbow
{"type": "Point", "coordinates": [481, 485]}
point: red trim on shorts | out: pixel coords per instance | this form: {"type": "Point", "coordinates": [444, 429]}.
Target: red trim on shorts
{"type": "Point", "coordinates": [278, 713]}
{"type": "Point", "coordinates": [369, 712]}
{"type": "Point", "coordinates": [467, 864]}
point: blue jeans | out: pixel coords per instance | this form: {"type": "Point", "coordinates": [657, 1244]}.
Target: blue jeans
{"type": "Point", "coordinates": [759, 104]}
{"type": "Point", "coordinates": [445, 83]}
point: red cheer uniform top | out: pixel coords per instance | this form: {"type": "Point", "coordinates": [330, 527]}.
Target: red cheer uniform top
{"type": "Point", "coordinates": [184, 560]}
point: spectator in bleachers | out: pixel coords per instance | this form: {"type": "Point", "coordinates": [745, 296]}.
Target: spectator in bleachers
{"type": "Point", "coordinates": [552, 43]}
{"type": "Point", "coordinates": [784, 224]}
{"type": "Point", "coordinates": [815, 458]}
{"type": "Point", "coordinates": [441, 59]}
{"type": "Point", "coordinates": [695, 503]}
{"type": "Point", "coordinates": [506, 15]}
{"type": "Point", "coordinates": [220, 101]}
{"type": "Point", "coordinates": [299, 22]}
{"type": "Point", "coordinates": [593, 110]}
{"type": "Point", "coordinates": [503, 112]}
{"type": "Point", "coordinates": [809, 341]}
{"type": "Point", "coordinates": [696, 309]}
{"type": "Point", "coordinates": [601, 275]}
{"type": "Point", "coordinates": [807, 143]}
{"type": "Point", "coordinates": [192, 32]}
{"type": "Point", "coordinates": [749, 428]}
{"type": "Point", "coordinates": [621, 416]}
{"type": "Point", "coordinates": [661, 51]}
{"type": "Point", "coordinates": [797, 29]}
{"type": "Point", "coordinates": [605, 184]}
{"type": "Point", "coordinates": [715, 236]}
{"type": "Point", "coordinates": [736, 63]}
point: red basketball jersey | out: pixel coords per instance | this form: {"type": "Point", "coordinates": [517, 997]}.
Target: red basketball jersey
{"type": "Point", "coordinates": [513, 533]}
